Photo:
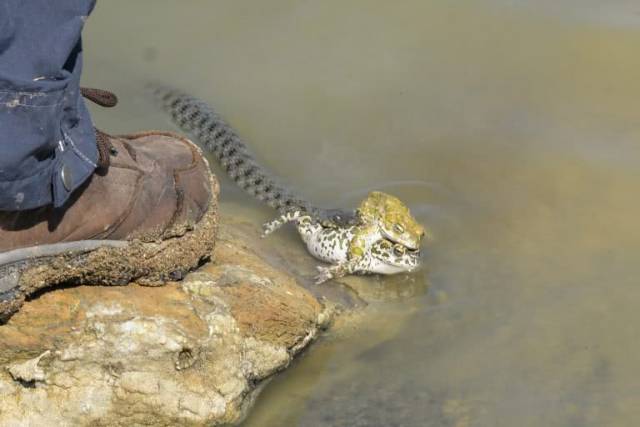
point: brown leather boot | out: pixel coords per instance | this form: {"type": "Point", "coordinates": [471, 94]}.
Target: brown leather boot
{"type": "Point", "coordinates": [148, 215]}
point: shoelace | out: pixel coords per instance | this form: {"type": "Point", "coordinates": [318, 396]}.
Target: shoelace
{"type": "Point", "coordinates": [103, 98]}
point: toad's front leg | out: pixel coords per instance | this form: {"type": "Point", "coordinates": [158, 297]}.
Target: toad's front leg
{"type": "Point", "coordinates": [358, 257]}
{"type": "Point", "coordinates": [293, 216]}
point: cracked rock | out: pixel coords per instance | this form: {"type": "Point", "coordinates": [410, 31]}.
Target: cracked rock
{"type": "Point", "coordinates": [190, 353]}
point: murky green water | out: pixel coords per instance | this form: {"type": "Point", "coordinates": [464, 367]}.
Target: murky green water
{"type": "Point", "coordinates": [512, 128]}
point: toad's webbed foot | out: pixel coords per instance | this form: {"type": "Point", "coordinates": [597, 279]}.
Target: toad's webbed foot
{"type": "Point", "coordinates": [335, 271]}
{"type": "Point", "coordinates": [324, 275]}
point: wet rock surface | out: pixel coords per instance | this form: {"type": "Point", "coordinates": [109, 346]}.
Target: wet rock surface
{"type": "Point", "coordinates": [190, 353]}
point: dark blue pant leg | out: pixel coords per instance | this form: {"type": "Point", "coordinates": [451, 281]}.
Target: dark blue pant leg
{"type": "Point", "coordinates": [47, 142]}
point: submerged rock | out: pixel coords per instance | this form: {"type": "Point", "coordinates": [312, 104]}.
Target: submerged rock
{"type": "Point", "coordinates": [189, 353]}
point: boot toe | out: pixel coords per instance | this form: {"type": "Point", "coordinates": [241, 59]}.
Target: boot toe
{"type": "Point", "coordinates": [191, 172]}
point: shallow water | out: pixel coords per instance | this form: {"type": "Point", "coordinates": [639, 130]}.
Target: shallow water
{"type": "Point", "coordinates": [511, 128]}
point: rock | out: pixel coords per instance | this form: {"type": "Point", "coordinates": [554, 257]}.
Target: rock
{"type": "Point", "coordinates": [28, 371]}
{"type": "Point", "coordinates": [190, 353]}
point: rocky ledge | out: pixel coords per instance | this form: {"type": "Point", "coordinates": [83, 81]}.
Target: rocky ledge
{"type": "Point", "coordinates": [189, 353]}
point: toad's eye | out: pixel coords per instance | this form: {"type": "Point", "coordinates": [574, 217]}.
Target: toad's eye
{"type": "Point", "coordinates": [398, 228]}
{"type": "Point", "coordinates": [399, 250]}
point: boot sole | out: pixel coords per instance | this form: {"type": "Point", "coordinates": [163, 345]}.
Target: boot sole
{"type": "Point", "coordinates": [24, 272]}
